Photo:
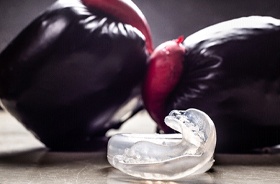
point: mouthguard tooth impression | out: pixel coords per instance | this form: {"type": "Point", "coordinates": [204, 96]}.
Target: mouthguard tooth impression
{"type": "Point", "coordinates": [167, 156]}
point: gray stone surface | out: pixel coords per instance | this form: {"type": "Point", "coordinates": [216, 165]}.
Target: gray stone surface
{"type": "Point", "coordinates": [24, 160]}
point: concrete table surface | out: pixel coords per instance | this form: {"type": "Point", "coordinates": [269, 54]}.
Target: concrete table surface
{"type": "Point", "coordinates": [24, 160]}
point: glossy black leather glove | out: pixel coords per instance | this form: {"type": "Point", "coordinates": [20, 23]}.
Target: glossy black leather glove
{"type": "Point", "coordinates": [229, 70]}
{"type": "Point", "coordinates": [71, 74]}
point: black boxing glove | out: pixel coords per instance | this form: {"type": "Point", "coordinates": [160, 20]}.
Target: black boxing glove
{"type": "Point", "coordinates": [71, 74]}
{"type": "Point", "coordinates": [229, 70]}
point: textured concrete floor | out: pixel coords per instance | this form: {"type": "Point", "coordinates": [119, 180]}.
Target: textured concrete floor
{"type": "Point", "coordinates": [24, 160]}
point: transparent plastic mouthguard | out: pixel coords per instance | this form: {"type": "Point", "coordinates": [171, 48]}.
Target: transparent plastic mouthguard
{"type": "Point", "coordinates": [167, 156]}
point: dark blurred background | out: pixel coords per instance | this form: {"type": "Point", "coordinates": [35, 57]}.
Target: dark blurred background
{"type": "Point", "coordinates": [168, 19]}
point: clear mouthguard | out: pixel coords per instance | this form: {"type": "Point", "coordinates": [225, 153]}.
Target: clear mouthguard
{"type": "Point", "coordinates": [167, 156]}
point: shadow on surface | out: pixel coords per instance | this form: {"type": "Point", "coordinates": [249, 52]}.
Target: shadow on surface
{"type": "Point", "coordinates": [248, 159]}
{"type": "Point", "coordinates": [44, 157]}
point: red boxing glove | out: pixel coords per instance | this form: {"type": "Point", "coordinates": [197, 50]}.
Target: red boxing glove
{"type": "Point", "coordinates": [229, 70]}
{"type": "Point", "coordinates": [70, 75]}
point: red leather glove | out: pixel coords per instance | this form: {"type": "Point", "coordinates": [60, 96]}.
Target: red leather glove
{"type": "Point", "coordinates": [70, 75]}
{"type": "Point", "coordinates": [229, 70]}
